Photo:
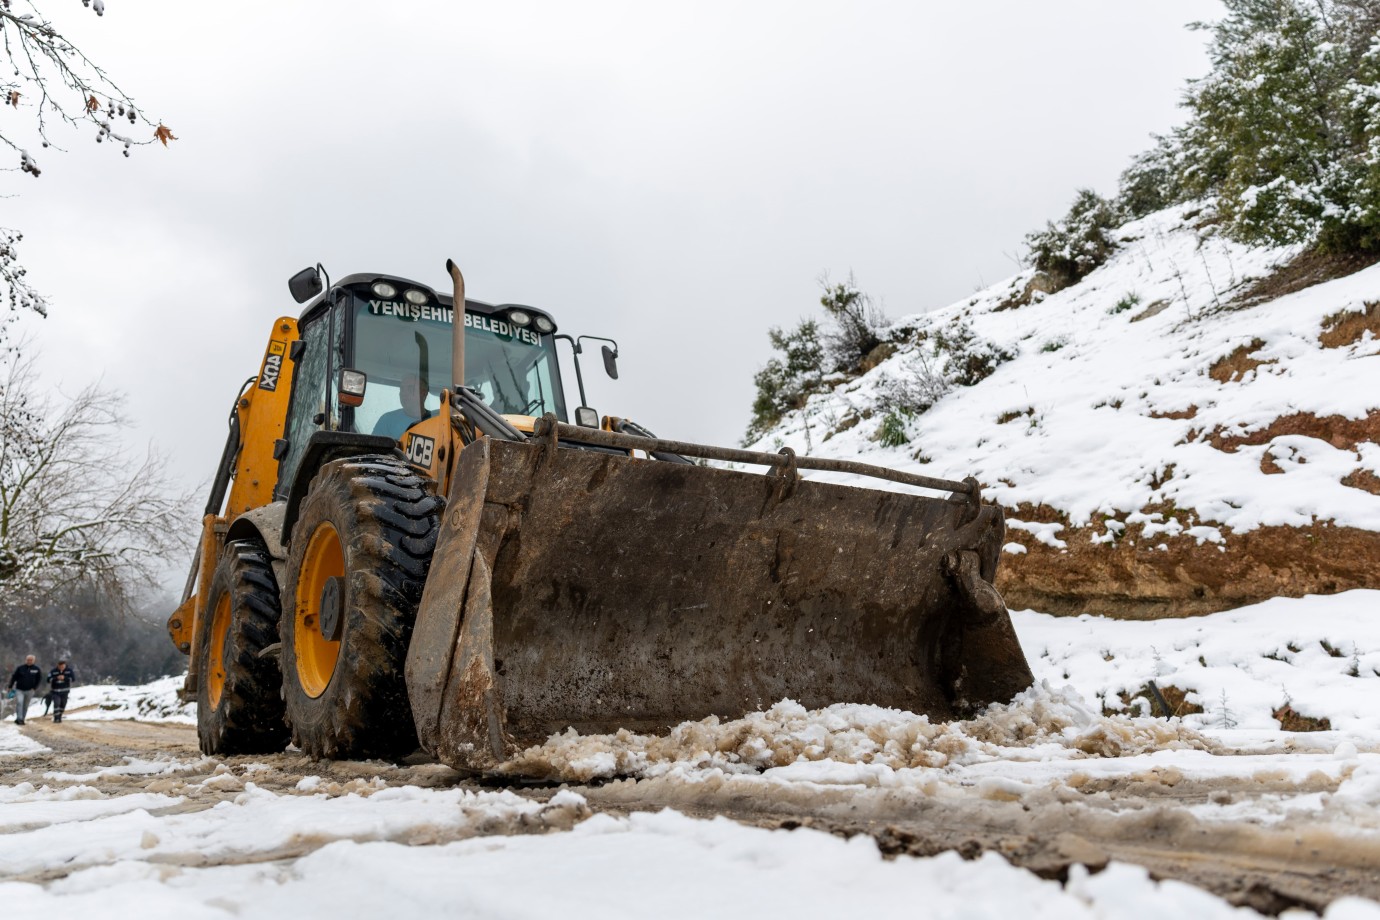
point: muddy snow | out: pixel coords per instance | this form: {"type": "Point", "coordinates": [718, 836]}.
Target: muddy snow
{"type": "Point", "coordinates": [1073, 800]}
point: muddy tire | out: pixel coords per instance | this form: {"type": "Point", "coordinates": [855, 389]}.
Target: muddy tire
{"type": "Point", "coordinates": [239, 697]}
{"type": "Point", "coordinates": [358, 559]}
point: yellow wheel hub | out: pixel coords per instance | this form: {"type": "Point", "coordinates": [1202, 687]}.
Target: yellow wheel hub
{"type": "Point", "coordinates": [220, 633]}
{"type": "Point", "coordinates": [316, 655]}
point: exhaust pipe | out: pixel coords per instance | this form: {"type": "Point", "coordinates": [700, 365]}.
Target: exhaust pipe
{"type": "Point", "coordinates": [457, 331]}
{"type": "Point", "coordinates": [469, 403]}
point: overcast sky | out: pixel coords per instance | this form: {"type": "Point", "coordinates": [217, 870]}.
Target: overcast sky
{"type": "Point", "coordinates": [676, 176]}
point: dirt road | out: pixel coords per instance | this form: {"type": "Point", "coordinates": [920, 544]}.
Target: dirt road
{"type": "Point", "coordinates": [1154, 821]}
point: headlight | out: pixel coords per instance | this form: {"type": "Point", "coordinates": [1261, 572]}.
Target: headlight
{"type": "Point", "coordinates": [352, 383]}
{"type": "Point", "coordinates": [385, 290]}
{"type": "Point", "coordinates": [415, 296]}
{"type": "Point", "coordinates": [545, 325]}
{"type": "Point", "coordinates": [519, 317]}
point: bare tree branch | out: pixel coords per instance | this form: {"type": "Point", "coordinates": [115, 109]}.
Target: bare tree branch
{"type": "Point", "coordinates": [51, 79]}
{"type": "Point", "coordinates": [75, 508]}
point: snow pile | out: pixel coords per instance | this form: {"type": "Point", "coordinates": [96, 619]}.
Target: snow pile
{"type": "Point", "coordinates": [132, 766]}
{"type": "Point", "coordinates": [155, 702]}
{"type": "Point", "coordinates": [1109, 409]}
{"type": "Point", "coordinates": [12, 741]}
{"type": "Point", "coordinates": [1318, 655]}
{"type": "Point", "coordinates": [1038, 721]}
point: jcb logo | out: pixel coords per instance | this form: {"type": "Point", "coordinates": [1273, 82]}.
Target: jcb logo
{"type": "Point", "coordinates": [273, 366]}
{"type": "Point", "coordinates": [420, 449]}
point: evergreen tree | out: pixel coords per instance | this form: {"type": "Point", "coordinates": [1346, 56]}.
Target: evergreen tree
{"type": "Point", "coordinates": [785, 382]}
{"type": "Point", "coordinates": [1070, 249]}
{"type": "Point", "coordinates": [856, 321]}
{"type": "Point", "coordinates": [1283, 132]}
{"type": "Point", "coordinates": [1152, 181]}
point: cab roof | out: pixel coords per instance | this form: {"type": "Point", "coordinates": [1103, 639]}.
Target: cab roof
{"type": "Point", "coordinates": [363, 282]}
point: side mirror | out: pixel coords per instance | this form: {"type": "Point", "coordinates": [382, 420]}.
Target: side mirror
{"type": "Point", "coordinates": [305, 285]}
{"type": "Point", "coordinates": [610, 361]}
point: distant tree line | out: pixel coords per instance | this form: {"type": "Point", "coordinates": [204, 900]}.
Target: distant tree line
{"type": "Point", "coordinates": [105, 644]}
{"type": "Point", "coordinates": [1282, 142]}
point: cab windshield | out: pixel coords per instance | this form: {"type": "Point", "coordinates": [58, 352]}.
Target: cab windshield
{"type": "Point", "coordinates": [405, 351]}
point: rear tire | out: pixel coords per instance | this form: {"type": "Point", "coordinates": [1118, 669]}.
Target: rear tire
{"type": "Point", "coordinates": [239, 698]}
{"type": "Point", "coordinates": [359, 556]}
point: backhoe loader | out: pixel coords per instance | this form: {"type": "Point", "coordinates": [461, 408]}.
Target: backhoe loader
{"type": "Point", "coordinates": [411, 539]}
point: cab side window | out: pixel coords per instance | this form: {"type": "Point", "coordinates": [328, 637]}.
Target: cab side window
{"type": "Point", "coordinates": [309, 399]}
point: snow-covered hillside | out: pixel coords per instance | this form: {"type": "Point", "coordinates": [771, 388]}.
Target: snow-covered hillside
{"type": "Point", "coordinates": [1167, 439]}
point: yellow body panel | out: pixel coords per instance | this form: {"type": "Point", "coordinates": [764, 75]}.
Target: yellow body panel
{"type": "Point", "coordinates": [428, 444]}
{"type": "Point", "coordinates": [180, 624]}
{"type": "Point", "coordinates": [186, 619]}
{"type": "Point", "coordinates": [262, 413]}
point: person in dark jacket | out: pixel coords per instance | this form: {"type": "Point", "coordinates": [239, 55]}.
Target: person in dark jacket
{"type": "Point", "coordinates": [24, 681]}
{"type": "Point", "coordinates": [60, 679]}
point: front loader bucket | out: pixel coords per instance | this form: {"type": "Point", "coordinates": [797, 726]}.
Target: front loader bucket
{"type": "Point", "coordinates": [587, 589]}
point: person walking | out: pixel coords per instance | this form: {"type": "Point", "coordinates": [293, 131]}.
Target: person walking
{"type": "Point", "coordinates": [60, 679]}
{"type": "Point", "coordinates": [23, 683]}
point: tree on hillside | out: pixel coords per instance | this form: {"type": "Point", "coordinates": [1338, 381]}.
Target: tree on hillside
{"type": "Point", "coordinates": [1152, 181]}
{"type": "Point", "coordinates": [856, 324]}
{"type": "Point", "coordinates": [50, 80]}
{"type": "Point", "coordinates": [75, 509]}
{"type": "Point", "coordinates": [1283, 135]}
{"type": "Point", "coordinates": [1068, 250]}
{"type": "Point", "coordinates": [854, 327]}
{"type": "Point", "coordinates": [786, 380]}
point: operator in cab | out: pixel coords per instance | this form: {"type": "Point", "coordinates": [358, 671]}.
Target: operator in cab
{"type": "Point", "coordinates": [412, 393]}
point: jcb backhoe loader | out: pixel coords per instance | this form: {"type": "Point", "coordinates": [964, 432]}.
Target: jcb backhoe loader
{"type": "Point", "coordinates": [407, 541]}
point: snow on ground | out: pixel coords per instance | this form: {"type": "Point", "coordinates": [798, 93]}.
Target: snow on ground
{"type": "Point", "coordinates": [1080, 419]}
{"type": "Point", "coordinates": [12, 742]}
{"type": "Point", "coordinates": [1319, 655]}
{"type": "Point", "coordinates": [82, 840]}
{"type": "Point", "coordinates": [663, 864]}
{"type": "Point", "coordinates": [1063, 736]}
{"type": "Point", "coordinates": [155, 702]}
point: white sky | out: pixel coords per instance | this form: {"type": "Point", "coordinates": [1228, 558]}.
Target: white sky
{"type": "Point", "coordinates": [674, 176]}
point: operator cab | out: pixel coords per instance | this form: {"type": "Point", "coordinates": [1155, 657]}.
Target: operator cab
{"type": "Point", "coordinates": [374, 354]}
{"type": "Point", "coordinates": [403, 348]}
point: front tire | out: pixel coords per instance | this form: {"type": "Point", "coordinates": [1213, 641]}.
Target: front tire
{"type": "Point", "coordinates": [239, 701]}
{"type": "Point", "coordinates": [359, 555]}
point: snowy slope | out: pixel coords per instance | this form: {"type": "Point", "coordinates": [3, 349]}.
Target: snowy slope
{"type": "Point", "coordinates": [1146, 407]}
